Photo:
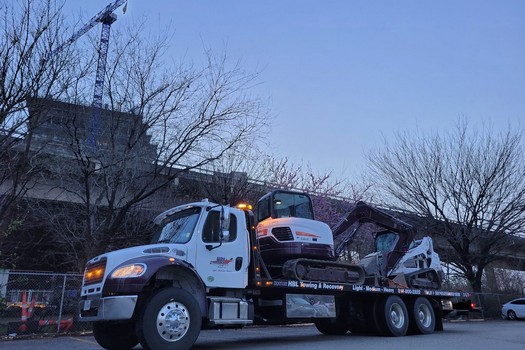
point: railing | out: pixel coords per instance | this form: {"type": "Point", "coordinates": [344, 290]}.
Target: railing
{"type": "Point", "coordinates": [39, 302]}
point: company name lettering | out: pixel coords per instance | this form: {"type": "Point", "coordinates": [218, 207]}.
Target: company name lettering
{"type": "Point", "coordinates": [320, 285]}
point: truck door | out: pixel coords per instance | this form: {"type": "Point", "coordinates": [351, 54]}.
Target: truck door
{"type": "Point", "coordinates": [223, 264]}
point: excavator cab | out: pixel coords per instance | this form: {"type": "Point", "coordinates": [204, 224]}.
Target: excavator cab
{"type": "Point", "coordinates": [287, 229]}
{"type": "Point", "coordinates": [292, 244]}
{"type": "Point", "coordinates": [385, 241]}
{"type": "Point", "coordinates": [375, 263]}
{"type": "Point", "coordinates": [284, 204]}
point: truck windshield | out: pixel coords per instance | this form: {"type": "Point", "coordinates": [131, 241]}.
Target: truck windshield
{"type": "Point", "coordinates": [177, 228]}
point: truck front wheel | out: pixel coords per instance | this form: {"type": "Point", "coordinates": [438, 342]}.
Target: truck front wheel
{"type": "Point", "coordinates": [113, 335]}
{"type": "Point", "coordinates": [170, 319]}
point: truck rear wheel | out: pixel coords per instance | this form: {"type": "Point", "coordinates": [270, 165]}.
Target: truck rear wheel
{"type": "Point", "coordinates": [331, 326]}
{"type": "Point", "coordinates": [170, 319]}
{"type": "Point", "coordinates": [422, 317]}
{"type": "Point", "coordinates": [113, 335]}
{"type": "Point", "coordinates": [391, 316]}
{"type": "Point", "coordinates": [360, 319]}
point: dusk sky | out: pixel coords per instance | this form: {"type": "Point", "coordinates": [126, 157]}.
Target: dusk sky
{"type": "Point", "coordinates": [342, 75]}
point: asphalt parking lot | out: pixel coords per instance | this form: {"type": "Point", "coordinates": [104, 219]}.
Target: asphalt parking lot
{"type": "Point", "coordinates": [487, 335]}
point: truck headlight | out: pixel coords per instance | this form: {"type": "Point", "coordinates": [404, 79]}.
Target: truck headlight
{"type": "Point", "coordinates": [129, 271]}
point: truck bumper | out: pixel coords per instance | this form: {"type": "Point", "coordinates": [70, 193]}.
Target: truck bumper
{"type": "Point", "coordinates": [108, 308]}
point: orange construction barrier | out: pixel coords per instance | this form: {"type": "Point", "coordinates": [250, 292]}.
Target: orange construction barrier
{"type": "Point", "coordinates": [65, 325]}
{"type": "Point", "coordinates": [27, 313]}
{"type": "Point", "coordinates": [31, 308]}
{"type": "Point", "coordinates": [23, 320]}
{"type": "Point", "coordinates": [24, 306]}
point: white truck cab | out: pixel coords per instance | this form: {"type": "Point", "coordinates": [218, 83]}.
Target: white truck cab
{"type": "Point", "coordinates": [208, 243]}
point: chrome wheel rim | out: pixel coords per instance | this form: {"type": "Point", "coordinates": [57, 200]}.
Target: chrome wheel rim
{"type": "Point", "coordinates": [173, 321]}
{"type": "Point", "coordinates": [397, 316]}
{"type": "Point", "coordinates": [424, 316]}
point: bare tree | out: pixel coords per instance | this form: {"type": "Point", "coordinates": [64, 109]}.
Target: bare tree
{"type": "Point", "coordinates": [245, 174]}
{"type": "Point", "coordinates": [331, 196]}
{"type": "Point", "coordinates": [160, 122]}
{"type": "Point", "coordinates": [466, 186]}
{"type": "Point", "coordinates": [507, 281]}
{"type": "Point", "coordinates": [29, 31]}
{"type": "Point", "coordinates": [234, 178]}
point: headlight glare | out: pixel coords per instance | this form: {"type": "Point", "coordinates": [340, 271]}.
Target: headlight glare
{"type": "Point", "coordinates": [129, 271]}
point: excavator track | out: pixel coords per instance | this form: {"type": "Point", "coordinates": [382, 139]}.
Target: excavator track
{"type": "Point", "coordinates": [321, 270]}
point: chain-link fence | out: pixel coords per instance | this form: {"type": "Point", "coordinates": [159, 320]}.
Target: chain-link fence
{"type": "Point", "coordinates": [38, 302]}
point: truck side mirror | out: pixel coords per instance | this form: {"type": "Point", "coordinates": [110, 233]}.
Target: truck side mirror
{"type": "Point", "coordinates": [225, 219]}
{"type": "Point", "coordinates": [225, 236]}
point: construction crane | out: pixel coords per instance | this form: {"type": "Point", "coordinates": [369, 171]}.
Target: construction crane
{"type": "Point", "coordinates": [106, 17]}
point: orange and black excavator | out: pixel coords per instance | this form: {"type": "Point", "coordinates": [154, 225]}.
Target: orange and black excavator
{"type": "Point", "coordinates": [293, 243]}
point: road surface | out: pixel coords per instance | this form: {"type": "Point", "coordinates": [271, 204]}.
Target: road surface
{"type": "Point", "coordinates": [487, 335]}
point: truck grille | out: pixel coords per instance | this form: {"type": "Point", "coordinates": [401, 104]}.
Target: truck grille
{"type": "Point", "coordinates": [282, 233]}
{"type": "Point", "coordinates": [95, 272]}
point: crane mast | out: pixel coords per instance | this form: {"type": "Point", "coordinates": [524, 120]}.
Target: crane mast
{"type": "Point", "coordinates": [98, 90]}
{"type": "Point", "coordinates": [106, 17]}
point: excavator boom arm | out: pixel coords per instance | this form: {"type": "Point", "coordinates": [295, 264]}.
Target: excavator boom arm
{"type": "Point", "coordinates": [361, 213]}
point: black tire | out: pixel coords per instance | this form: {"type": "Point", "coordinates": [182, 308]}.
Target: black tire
{"type": "Point", "coordinates": [511, 315]}
{"type": "Point", "coordinates": [422, 319]}
{"type": "Point", "coordinates": [360, 318]}
{"type": "Point", "coordinates": [331, 326]}
{"type": "Point", "coordinates": [391, 316]}
{"type": "Point", "coordinates": [113, 335]}
{"type": "Point", "coordinates": [356, 327]}
{"type": "Point", "coordinates": [170, 319]}
{"type": "Point", "coordinates": [376, 318]}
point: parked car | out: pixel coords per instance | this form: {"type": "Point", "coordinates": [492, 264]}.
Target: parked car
{"type": "Point", "coordinates": [513, 309]}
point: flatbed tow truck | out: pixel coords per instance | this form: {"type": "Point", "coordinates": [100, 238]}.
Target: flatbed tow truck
{"type": "Point", "coordinates": [211, 266]}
